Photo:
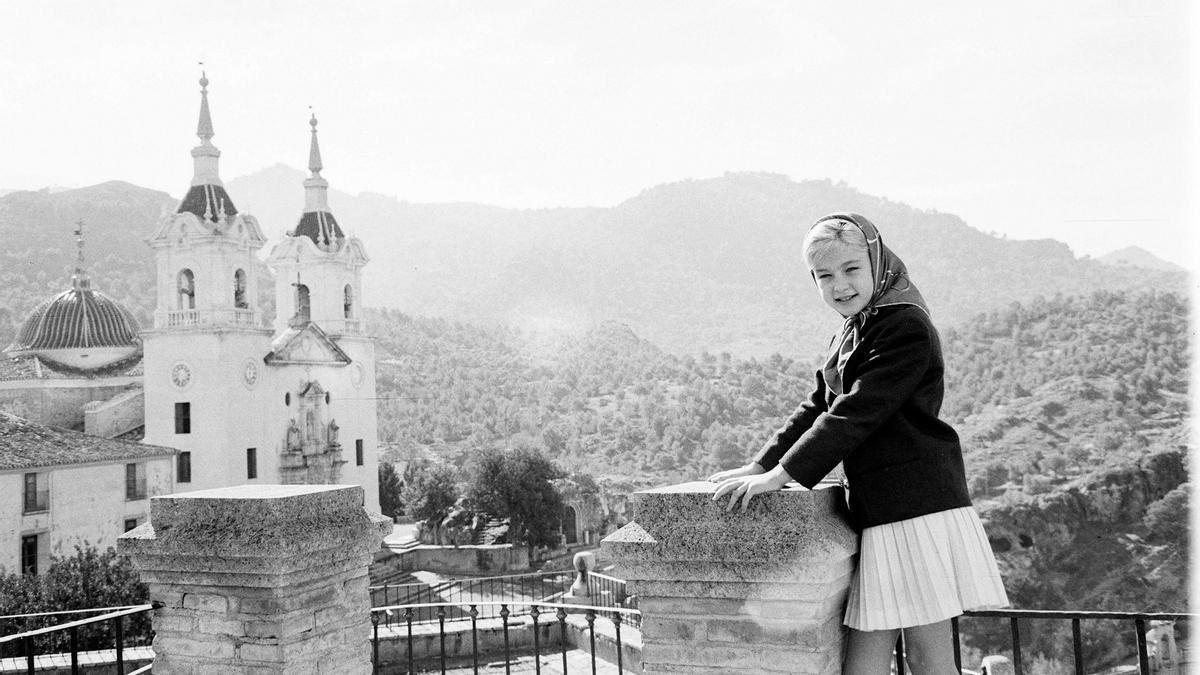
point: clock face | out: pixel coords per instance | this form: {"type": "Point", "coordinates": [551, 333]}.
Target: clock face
{"type": "Point", "coordinates": [250, 373]}
{"type": "Point", "coordinates": [181, 375]}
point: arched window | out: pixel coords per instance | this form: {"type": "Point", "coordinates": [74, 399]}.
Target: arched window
{"type": "Point", "coordinates": [186, 283]}
{"type": "Point", "coordinates": [239, 289]}
{"type": "Point", "coordinates": [302, 304]}
{"type": "Point", "coordinates": [348, 302]}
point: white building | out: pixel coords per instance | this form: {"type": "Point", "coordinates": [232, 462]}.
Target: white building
{"type": "Point", "coordinates": [244, 403]}
{"type": "Point", "coordinates": [60, 489]}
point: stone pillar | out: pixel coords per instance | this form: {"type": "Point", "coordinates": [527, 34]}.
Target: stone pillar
{"type": "Point", "coordinates": [259, 579]}
{"type": "Point", "coordinates": [756, 592]}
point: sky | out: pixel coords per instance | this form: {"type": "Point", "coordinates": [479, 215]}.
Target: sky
{"type": "Point", "coordinates": [1071, 119]}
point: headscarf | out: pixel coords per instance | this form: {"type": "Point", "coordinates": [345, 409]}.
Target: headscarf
{"type": "Point", "coordinates": [891, 287]}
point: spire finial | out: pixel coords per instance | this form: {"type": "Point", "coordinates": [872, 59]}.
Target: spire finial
{"type": "Point", "coordinates": [205, 128]}
{"type": "Point", "coordinates": [314, 150]}
{"type": "Point", "coordinates": [80, 279]}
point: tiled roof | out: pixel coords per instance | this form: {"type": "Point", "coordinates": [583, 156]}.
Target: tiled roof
{"type": "Point", "coordinates": [32, 368]}
{"type": "Point", "coordinates": [78, 318]}
{"type": "Point", "coordinates": [28, 445]}
{"type": "Point", "coordinates": [206, 202]}
{"type": "Point", "coordinates": [320, 226]}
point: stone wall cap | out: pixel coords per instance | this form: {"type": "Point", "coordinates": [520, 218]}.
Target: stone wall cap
{"type": "Point", "coordinates": [258, 491]}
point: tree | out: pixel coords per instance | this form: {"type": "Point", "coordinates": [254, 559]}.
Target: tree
{"type": "Point", "coordinates": [431, 493]}
{"type": "Point", "coordinates": [86, 580]}
{"type": "Point", "coordinates": [517, 484]}
{"type": "Point", "coordinates": [390, 502]}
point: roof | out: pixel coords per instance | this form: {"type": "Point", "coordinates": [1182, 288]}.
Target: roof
{"type": "Point", "coordinates": [33, 368]}
{"type": "Point", "coordinates": [28, 445]}
{"type": "Point", "coordinates": [320, 226]}
{"type": "Point", "coordinates": [78, 318]}
{"type": "Point", "coordinates": [207, 201]}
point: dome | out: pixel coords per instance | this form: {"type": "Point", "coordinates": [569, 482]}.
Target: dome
{"type": "Point", "coordinates": [79, 329]}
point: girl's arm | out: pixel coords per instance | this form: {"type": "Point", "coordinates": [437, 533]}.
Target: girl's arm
{"type": "Point", "coordinates": [899, 353]}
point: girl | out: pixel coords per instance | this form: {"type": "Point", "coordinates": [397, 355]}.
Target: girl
{"type": "Point", "coordinates": [923, 557]}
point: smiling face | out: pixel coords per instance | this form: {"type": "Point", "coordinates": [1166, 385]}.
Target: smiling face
{"type": "Point", "coordinates": [843, 275]}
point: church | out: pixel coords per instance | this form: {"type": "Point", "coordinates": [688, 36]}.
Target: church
{"type": "Point", "coordinates": [234, 400]}
{"type": "Point", "coordinates": [244, 403]}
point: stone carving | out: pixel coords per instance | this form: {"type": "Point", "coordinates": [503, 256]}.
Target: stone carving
{"type": "Point", "coordinates": [293, 435]}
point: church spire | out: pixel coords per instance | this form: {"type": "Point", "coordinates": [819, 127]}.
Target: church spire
{"type": "Point", "coordinates": [314, 150]}
{"type": "Point", "coordinates": [205, 128]}
{"type": "Point", "coordinates": [318, 223]}
{"type": "Point", "coordinates": [206, 198]}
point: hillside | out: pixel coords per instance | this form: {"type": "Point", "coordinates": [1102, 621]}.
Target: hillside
{"type": "Point", "coordinates": [705, 265]}
{"type": "Point", "coordinates": [700, 265]}
{"type": "Point", "coordinates": [1073, 413]}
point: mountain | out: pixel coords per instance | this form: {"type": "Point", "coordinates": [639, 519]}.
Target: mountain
{"type": "Point", "coordinates": [1133, 256]}
{"type": "Point", "coordinates": [699, 265]}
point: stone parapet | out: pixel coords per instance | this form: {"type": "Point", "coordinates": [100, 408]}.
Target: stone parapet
{"type": "Point", "coordinates": [259, 578]}
{"type": "Point", "coordinates": [760, 591]}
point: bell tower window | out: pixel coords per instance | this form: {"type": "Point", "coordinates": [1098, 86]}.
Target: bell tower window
{"type": "Point", "coordinates": [186, 284]}
{"type": "Point", "coordinates": [239, 289]}
{"type": "Point", "coordinates": [348, 302]}
{"type": "Point", "coordinates": [302, 302]}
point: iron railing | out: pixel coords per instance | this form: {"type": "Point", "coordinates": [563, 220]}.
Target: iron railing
{"type": "Point", "coordinates": [114, 616]}
{"type": "Point", "coordinates": [515, 590]}
{"type": "Point", "coordinates": [1016, 616]}
{"type": "Point", "coordinates": [540, 630]}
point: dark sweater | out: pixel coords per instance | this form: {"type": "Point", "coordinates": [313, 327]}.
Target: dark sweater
{"type": "Point", "coordinates": [901, 461]}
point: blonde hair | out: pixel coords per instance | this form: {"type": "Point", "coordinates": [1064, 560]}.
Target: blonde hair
{"type": "Point", "coordinates": [828, 232]}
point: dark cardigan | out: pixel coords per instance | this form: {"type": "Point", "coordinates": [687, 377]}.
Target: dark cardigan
{"type": "Point", "coordinates": [901, 461]}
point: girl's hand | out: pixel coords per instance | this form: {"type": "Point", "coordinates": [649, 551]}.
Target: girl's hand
{"type": "Point", "coordinates": [749, 470]}
{"type": "Point", "coordinates": [744, 487]}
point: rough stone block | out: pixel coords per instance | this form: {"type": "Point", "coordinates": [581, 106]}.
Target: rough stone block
{"type": "Point", "coordinates": [259, 579]}
{"type": "Point", "coordinates": [760, 591]}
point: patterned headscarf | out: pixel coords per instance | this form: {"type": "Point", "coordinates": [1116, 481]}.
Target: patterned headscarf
{"type": "Point", "coordinates": [891, 287]}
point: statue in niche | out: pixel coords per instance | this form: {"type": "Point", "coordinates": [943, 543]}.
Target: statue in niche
{"type": "Point", "coordinates": [333, 432]}
{"type": "Point", "coordinates": [293, 435]}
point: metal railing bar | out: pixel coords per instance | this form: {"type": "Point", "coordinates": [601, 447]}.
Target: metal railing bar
{"type": "Point", "coordinates": [1143, 656]}
{"type": "Point", "coordinates": [616, 620]}
{"type": "Point", "coordinates": [134, 609]}
{"type": "Point", "coordinates": [1016, 645]}
{"type": "Point", "coordinates": [957, 645]}
{"type": "Point", "coordinates": [119, 631]}
{"type": "Point", "coordinates": [474, 640]}
{"type": "Point", "coordinates": [70, 611]}
{"type": "Point", "coordinates": [591, 622]}
{"type": "Point", "coordinates": [1077, 646]}
{"type": "Point", "coordinates": [534, 612]}
{"type": "Point", "coordinates": [504, 626]}
{"type": "Point", "coordinates": [74, 630]}
{"type": "Point", "coordinates": [1060, 614]}
{"type": "Point", "coordinates": [143, 670]}
{"type": "Point", "coordinates": [441, 613]}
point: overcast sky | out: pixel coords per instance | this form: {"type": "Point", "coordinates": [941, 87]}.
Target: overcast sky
{"type": "Point", "coordinates": [1063, 119]}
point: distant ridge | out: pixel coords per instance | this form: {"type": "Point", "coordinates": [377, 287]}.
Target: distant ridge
{"type": "Point", "coordinates": [1134, 256]}
{"type": "Point", "coordinates": [698, 265]}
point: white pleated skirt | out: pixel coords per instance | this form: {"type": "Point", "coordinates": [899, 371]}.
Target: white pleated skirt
{"type": "Point", "coordinates": [923, 570]}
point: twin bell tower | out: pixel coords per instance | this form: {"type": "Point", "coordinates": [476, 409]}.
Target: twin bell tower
{"type": "Point", "coordinates": [244, 403]}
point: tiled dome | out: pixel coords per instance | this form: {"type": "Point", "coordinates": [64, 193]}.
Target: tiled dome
{"type": "Point", "coordinates": [81, 328]}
